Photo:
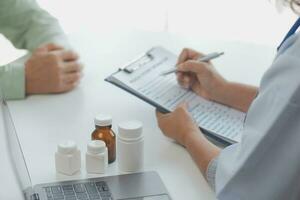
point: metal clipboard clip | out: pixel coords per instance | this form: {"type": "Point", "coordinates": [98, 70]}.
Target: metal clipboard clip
{"type": "Point", "coordinates": [138, 62]}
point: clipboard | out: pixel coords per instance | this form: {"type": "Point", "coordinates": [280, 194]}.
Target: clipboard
{"type": "Point", "coordinates": [153, 60]}
{"type": "Point", "coordinates": [130, 67]}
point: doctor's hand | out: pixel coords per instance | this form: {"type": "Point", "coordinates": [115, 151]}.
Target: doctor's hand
{"type": "Point", "coordinates": [201, 77]}
{"type": "Point", "coordinates": [52, 69]}
{"type": "Point", "coordinates": [177, 125]}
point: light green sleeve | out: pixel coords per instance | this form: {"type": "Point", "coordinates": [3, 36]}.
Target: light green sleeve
{"type": "Point", "coordinates": [27, 26]}
{"type": "Point", "coordinates": [12, 79]}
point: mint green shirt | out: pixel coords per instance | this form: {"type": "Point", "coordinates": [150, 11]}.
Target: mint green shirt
{"type": "Point", "coordinates": [27, 26]}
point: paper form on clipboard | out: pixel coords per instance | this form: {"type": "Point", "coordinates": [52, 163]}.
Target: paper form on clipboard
{"type": "Point", "coordinates": [142, 78]}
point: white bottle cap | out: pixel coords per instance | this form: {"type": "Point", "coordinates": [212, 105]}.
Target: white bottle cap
{"type": "Point", "coordinates": [103, 120]}
{"type": "Point", "coordinates": [96, 146]}
{"type": "Point", "coordinates": [67, 147]}
{"type": "Point", "coordinates": [130, 130]}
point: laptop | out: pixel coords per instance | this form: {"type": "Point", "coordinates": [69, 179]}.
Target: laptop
{"type": "Point", "coordinates": [137, 186]}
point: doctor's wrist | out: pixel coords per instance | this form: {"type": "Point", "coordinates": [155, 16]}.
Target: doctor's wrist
{"type": "Point", "coordinates": [218, 94]}
{"type": "Point", "coordinates": [190, 136]}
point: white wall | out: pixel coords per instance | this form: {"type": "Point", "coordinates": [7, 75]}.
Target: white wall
{"type": "Point", "coordinates": [252, 20]}
{"type": "Point", "coordinates": [255, 21]}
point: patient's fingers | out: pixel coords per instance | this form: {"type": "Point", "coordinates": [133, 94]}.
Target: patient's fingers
{"type": "Point", "coordinates": [72, 77]}
{"type": "Point", "coordinates": [72, 66]}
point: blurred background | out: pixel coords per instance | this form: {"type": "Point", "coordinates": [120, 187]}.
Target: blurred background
{"type": "Point", "coordinates": [254, 21]}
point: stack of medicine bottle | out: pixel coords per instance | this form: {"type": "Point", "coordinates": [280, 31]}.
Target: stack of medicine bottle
{"type": "Point", "coordinates": [102, 149]}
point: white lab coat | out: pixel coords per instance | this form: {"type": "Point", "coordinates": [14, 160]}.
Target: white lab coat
{"type": "Point", "coordinates": [266, 163]}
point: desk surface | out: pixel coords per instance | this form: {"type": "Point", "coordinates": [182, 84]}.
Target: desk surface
{"type": "Point", "coordinates": [43, 121]}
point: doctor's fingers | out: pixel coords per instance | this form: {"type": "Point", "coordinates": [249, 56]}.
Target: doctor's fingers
{"type": "Point", "coordinates": [183, 106]}
{"type": "Point", "coordinates": [194, 67]}
{"type": "Point", "coordinates": [186, 79]}
{"type": "Point", "coordinates": [160, 115]}
{"type": "Point", "coordinates": [188, 54]}
{"type": "Point", "coordinates": [180, 78]}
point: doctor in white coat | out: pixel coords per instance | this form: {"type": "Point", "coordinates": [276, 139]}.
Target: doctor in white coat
{"type": "Point", "coordinates": [266, 163]}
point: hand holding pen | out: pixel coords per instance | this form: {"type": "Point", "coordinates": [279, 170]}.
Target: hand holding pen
{"type": "Point", "coordinates": [205, 58]}
{"type": "Point", "coordinates": [199, 76]}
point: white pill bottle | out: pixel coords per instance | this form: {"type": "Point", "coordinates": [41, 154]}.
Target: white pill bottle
{"type": "Point", "coordinates": [67, 158]}
{"type": "Point", "coordinates": [96, 157]}
{"type": "Point", "coordinates": [130, 146]}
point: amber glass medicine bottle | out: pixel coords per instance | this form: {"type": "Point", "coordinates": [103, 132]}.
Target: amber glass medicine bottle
{"type": "Point", "coordinates": [105, 133]}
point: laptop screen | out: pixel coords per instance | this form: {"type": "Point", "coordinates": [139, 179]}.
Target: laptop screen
{"type": "Point", "coordinates": [15, 152]}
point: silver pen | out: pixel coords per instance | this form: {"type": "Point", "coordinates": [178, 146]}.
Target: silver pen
{"type": "Point", "coordinates": [205, 58]}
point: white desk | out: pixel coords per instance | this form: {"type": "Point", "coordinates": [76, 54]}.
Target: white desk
{"type": "Point", "coordinates": [43, 121]}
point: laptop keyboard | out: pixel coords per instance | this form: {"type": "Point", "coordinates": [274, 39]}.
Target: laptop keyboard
{"type": "Point", "coordinates": [80, 191]}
